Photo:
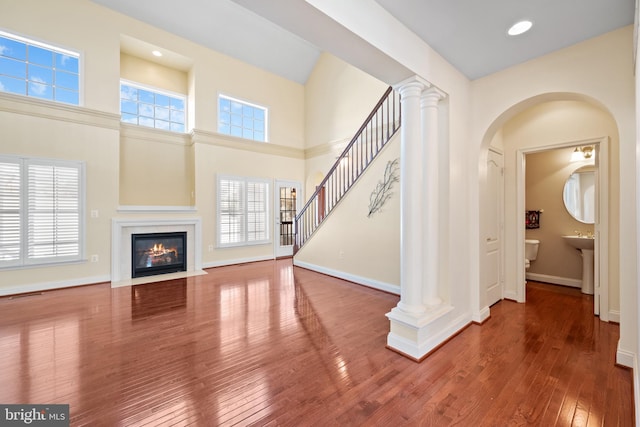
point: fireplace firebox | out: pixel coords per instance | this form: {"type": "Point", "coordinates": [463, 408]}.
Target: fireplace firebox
{"type": "Point", "coordinates": [158, 253]}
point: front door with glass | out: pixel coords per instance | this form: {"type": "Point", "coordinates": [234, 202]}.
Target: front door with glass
{"type": "Point", "coordinates": [288, 196]}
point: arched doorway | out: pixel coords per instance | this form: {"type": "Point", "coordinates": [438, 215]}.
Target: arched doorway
{"type": "Point", "coordinates": [540, 123]}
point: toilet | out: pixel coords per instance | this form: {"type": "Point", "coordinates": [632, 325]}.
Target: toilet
{"type": "Point", "coordinates": [530, 252]}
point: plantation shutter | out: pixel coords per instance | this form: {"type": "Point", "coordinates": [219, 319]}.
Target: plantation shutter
{"type": "Point", "coordinates": [231, 208]}
{"type": "Point", "coordinates": [53, 211]}
{"type": "Point", "coordinates": [10, 228]}
{"type": "Point", "coordinates": [243, 211]}
{"type": "Point", "coordinates": [256, 211]}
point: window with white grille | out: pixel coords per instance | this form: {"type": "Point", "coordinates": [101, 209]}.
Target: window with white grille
{"type": "Point", "coordinates": [39, 70]}
{"type": "Point", "coordinates": [146, 106]}
{"type": "Point", "coordinates": [41, 211]}
{"type": "Point", "coordinates": [243, 211]}
{"type": "Point", "coordinates": [242, 119]}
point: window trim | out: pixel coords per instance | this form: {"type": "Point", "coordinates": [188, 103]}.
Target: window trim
{"type": "Point", "coordinates": [250, 104]}
{"type": "Point", "coordinates": [55, 48]}
{"type": "Point", "coordinates": [160, 91]}
{"type": "Point", "coordinates": [23, 260]}
{"type": "Point", "coordinates": [267, 200]}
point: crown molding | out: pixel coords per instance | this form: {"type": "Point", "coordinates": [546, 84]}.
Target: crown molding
{"type": "Point", "coordinates": [333, 147]}
{"type": "Point", "coordinates": [221, 140]}
{"type": "Point", "coordinates": [143, 133]}
{"type": "Point", "coordinates": [34, 107]}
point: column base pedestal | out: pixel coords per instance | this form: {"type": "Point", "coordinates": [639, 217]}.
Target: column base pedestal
{"type": "Point", "coordinates": [415, 336]}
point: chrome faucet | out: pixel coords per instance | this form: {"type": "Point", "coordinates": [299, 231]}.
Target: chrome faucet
{"type": "Point", "coordinates": [578, 233]}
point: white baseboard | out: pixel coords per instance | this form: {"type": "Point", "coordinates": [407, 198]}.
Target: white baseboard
{"type": "Point", "coordinates": [481, 316]}
{"type": "Point", "coordinates": [226, 262]}
{"type": "Point", "coordinates": [625, 358]}
{"type": "Point", "coordinates": [630, 360]}
{"type": "Point", "coordinates": [614, 316]}
{"type": "Point", "coordinates": [58, 284]}
{"type": "Point", "coordinates": [556, 280]}
{"type": "Point", "coordinates": [510, 295]}
{"type": "Point", "coordinates": [417, 350]}
{"type": "Point", "coordinates": [381, 286]}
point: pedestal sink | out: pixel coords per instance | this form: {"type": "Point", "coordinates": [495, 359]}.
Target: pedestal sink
{"type": "Point", "coordinates": [584, 245]}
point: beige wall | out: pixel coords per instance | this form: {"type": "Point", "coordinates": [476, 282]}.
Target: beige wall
{"type": "Point", "coordinates": [598, 71]}
{"type": "Point", "coordinates": [559, 122]}
{"type": "Point", "coordinates": [156, 168]}
{"type": "Point", "coordinates": [71, 138]}
{"type": "Point", "coordinates": [128, 165]}
{"type": "Point", "coordinates": [212, 160]}
{"type": "Point", "coordinates": [90, 29]}
{"type": "Point", "coordinates": [546, 174]}
{"type": "Point", "coordinates": [352, 245]}
{"type": "Point", "coordinates": [150, 73]}
{"type": "Point", "coordinates": [214, 73]}
{"type": "Point", "coordinates": [339, 97]}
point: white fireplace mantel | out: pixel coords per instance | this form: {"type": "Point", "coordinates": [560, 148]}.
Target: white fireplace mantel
{"type": "Point", "coordinates": [123, 228]}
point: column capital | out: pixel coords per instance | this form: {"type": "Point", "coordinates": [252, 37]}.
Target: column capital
{"type": "Point", "coordinates": [431, 96]}
{"type": "Point", "coordinates": [414, 85]}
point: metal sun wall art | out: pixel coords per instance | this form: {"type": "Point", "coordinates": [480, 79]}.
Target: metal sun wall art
{"type": "Point", "coordinates": [382, 192]}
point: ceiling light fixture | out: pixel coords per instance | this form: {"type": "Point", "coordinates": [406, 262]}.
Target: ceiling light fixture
{"type": "Point", "coordinates": [582, 153]}
{"type": "Point", "coordinates": [520, 27]}
{"type": "Point", "coordinates": [156, 53]}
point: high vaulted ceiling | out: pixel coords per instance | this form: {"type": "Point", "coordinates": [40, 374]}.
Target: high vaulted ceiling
{"type": "Point", "coordinates": [470, 34]}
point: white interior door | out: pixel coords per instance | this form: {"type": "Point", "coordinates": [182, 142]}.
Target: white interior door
{"type": "Point", "coordinates": [493, 250]}
{"type": "Point", "coordinates": [288, 195]}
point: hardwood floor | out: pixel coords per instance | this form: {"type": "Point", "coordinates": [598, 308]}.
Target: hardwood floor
{"type": "Point", "coordinates": [270, 344]}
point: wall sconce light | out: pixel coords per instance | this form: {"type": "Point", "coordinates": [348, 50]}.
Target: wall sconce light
{"type": "Point", "coordinates": [582, 153]}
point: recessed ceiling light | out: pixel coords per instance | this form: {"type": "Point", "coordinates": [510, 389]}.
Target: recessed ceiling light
{"type": "Point", "coordinates": [157, 53]}
{"type": "Point", "coordinates": [520, 27]}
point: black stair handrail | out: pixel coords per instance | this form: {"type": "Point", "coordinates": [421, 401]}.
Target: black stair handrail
{"type": "Point", "coordinates": [378, 128]}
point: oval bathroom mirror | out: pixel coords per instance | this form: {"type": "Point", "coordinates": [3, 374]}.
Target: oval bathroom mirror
{"type": "Point", "coordinates": [580, 194]}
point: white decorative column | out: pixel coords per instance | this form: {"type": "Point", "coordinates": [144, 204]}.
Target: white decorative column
{"type": "Point", "coordinates": [416, 323]}
{"type": "Point", "coordinates": [430, 200]}
{"type": "Point", "coordinates": [411, 254]}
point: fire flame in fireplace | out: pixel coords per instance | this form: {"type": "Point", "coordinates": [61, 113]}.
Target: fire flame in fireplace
{"type": "Point", "coordinates": [159, 254]}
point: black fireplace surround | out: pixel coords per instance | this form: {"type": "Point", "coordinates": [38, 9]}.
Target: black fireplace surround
{"type": "Point", "coordinates": [158, 253]}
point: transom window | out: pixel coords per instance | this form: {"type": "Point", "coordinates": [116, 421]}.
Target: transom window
{"type": "Point", "coordinates": [41, 211]}
{"type": "Point", "coordinates": [146, 106]}
{"type": "Point", "coordinates": [243, 211]}
{"type": "Point", "coordinates": [38, 70]}
{"type": "Point", "coordinates": [242, 119]}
